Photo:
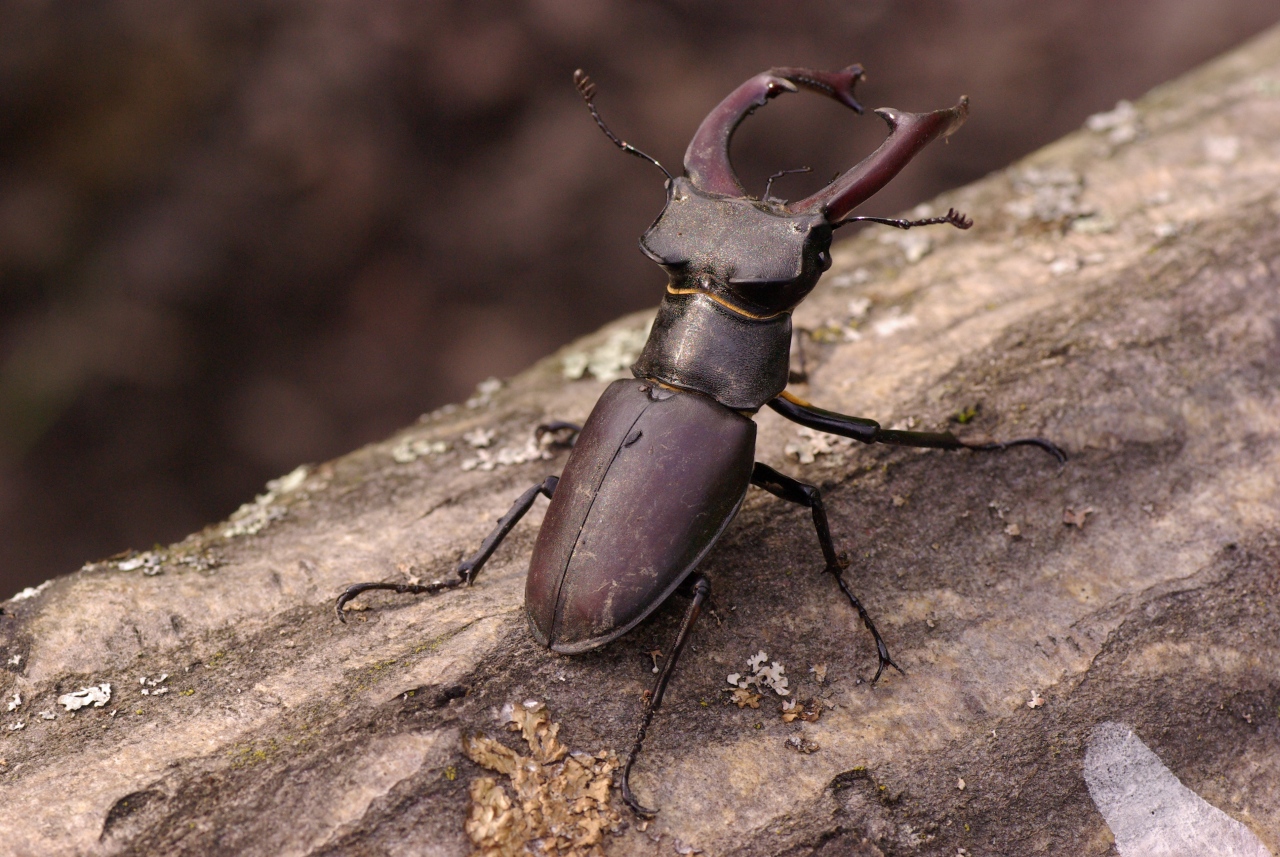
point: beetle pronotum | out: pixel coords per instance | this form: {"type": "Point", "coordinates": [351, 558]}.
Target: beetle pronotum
{"type": "Point", "coordinates": [718, 352]}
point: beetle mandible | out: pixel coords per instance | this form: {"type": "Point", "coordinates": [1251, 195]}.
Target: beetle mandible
{"type": "Point", "coordinates": [614, 543]}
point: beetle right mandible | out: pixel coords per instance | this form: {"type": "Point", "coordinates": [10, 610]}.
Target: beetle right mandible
{"type": "Point", "coordinates": [664, 461]}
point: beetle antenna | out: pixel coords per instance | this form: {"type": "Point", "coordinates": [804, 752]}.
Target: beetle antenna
{"type": "Point", "coordinates": [587, 89]}
{"type": "Point", "coordinates": [955, 218]}
{"type": "Point", "coordinates": [779, 174]}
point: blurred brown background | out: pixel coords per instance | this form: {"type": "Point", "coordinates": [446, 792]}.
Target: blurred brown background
{"type": "Point", "coordinates": [237, 235]}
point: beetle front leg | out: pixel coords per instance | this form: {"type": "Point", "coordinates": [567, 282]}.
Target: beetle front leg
{"type": "Point", "coordinates": [795, 491]}
{"type": "Point", "coordinates": [468, 568]}
{"type": "Point", "coordinates": [701, 590]}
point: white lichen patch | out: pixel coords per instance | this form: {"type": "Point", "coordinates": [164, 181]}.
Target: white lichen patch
{"type": "Point", "coordinates": [802, 745]}
{"type": "Point", "coordinates": [845, 279]}
{"type": "Point", "coordinates": [1121, 124]}
{"type": "Point", "coordinates": [153, 686]}
{"type": "Point", "coordinates": [915, 245]}
{"type": "Point", "coordinates": [1224, 149]}
{"type": "Point", "coordinates": [96, 695]}
{"type": "Point", "coordinates": [202, 561]}
{"type": "Point", "coordinates": [1062, 265]}
{"type": "Point", "coordinates": [14, 702]}
{"type": "Point", "coordinates": [288, 483]}
{"type": "Point", "coordinates": [252, 518]}
{"type": "Point", "coordinates": [835, 330]}
{"type": "Point", "coordinates": [485, 392]}
{"type": "Point", "coordinates": [1097, 223]}
{"type": "Point", "coordinates": [610, 360]}
{"type": "Point", "coordinates": [773, 676]}
{"type": "Point", "coordinates": [48, 715]}
{"type": "Point", "coordinates": [411, 449]}
{"type": "Point", "coordinates": [893, 322]}
{"type": "Point", "coordinates": [1048, 195]}
{"type": "Point", "coordinates": [481, 438]}
{"type": "Point", "coordinates": [561, 804]}
{"type": "Point", "coordinates": [17, 725]}
{"type": "Point", "coordinates": [150, 562]}
{"type": "Point", "coordinates": [812, 443]}
{"type": "Point", "coordinates": [840, 328]}
{"type": "Point", "coordinates": [255, 517]}
{"type": "Point", "coordinates": [489, 459]}
{"type": "Point", "coordinates": [32, 591]}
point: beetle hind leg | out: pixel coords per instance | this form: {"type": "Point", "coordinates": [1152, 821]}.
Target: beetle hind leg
{"type": "Point", "coordinates": [467, 569]}
{"type": "Point", "coordinates": [801, 493]}
{"type": "Point", "coordinates": [701, 590]}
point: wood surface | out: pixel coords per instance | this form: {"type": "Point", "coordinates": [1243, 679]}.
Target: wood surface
{"type": "Point", "coordinates": [1118, 295]}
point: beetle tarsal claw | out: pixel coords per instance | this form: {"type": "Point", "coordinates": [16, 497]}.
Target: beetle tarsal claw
{"type": "Point", "coordinates": [399, 588]}
{"type": "Point", "coordinates": [637, 808]}
{"type": "Point", "coordinates": [561, 434]}
{"type": "Point", "coordinates": [885, 661]}
{"type": "Point", "coordinates": [1038, 442]}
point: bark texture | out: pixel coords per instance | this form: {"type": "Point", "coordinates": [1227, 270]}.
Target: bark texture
{"type": "Point", "coordinates": [1119, 295]}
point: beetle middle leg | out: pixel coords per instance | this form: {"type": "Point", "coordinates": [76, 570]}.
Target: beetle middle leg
{"type": "Point", "coordinates": [467, 569]}
{"type": "Point", "coordinates": [701, 590]}
{"type": "Point", "coordinates": [795, 491]}
{"type": "Point", "coordinates": [563, 434]}
{"type": "Point", "coordinates": [869, 431]}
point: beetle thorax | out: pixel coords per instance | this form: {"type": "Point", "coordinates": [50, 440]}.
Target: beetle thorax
{"type": "Point", "coordinates": [755, 256]}
{"type": "Point", "coordinates": [737, 267]}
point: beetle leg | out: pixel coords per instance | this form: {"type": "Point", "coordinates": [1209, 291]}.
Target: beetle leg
{"type": "Point", "coordinates": [701, 589]}
{"type": "Point", "coordinates": [869, 431]}
{"type": "Point", "coordinates": [795, 491]}
{"type": "Point", "coordinates": [468, 568]}
{"type": "Point", "coordinates": [565, 434]}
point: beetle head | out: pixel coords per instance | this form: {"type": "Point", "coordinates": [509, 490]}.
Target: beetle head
{"type": "Point", "coordinates": [765, 256]}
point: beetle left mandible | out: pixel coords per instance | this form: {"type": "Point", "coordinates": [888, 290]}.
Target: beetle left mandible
{"type": "Point", "coordinates": [612, 547]}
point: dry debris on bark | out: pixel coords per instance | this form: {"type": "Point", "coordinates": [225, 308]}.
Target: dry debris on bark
{"type": "Point", "coordinates": [562, 799]}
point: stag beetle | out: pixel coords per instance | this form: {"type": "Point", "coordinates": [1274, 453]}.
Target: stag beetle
{"type": "Point", "coordinates": [664, 461]}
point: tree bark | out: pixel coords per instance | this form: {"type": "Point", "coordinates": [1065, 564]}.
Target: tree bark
{"type": "Point", "coordinates": [1118, 295]}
